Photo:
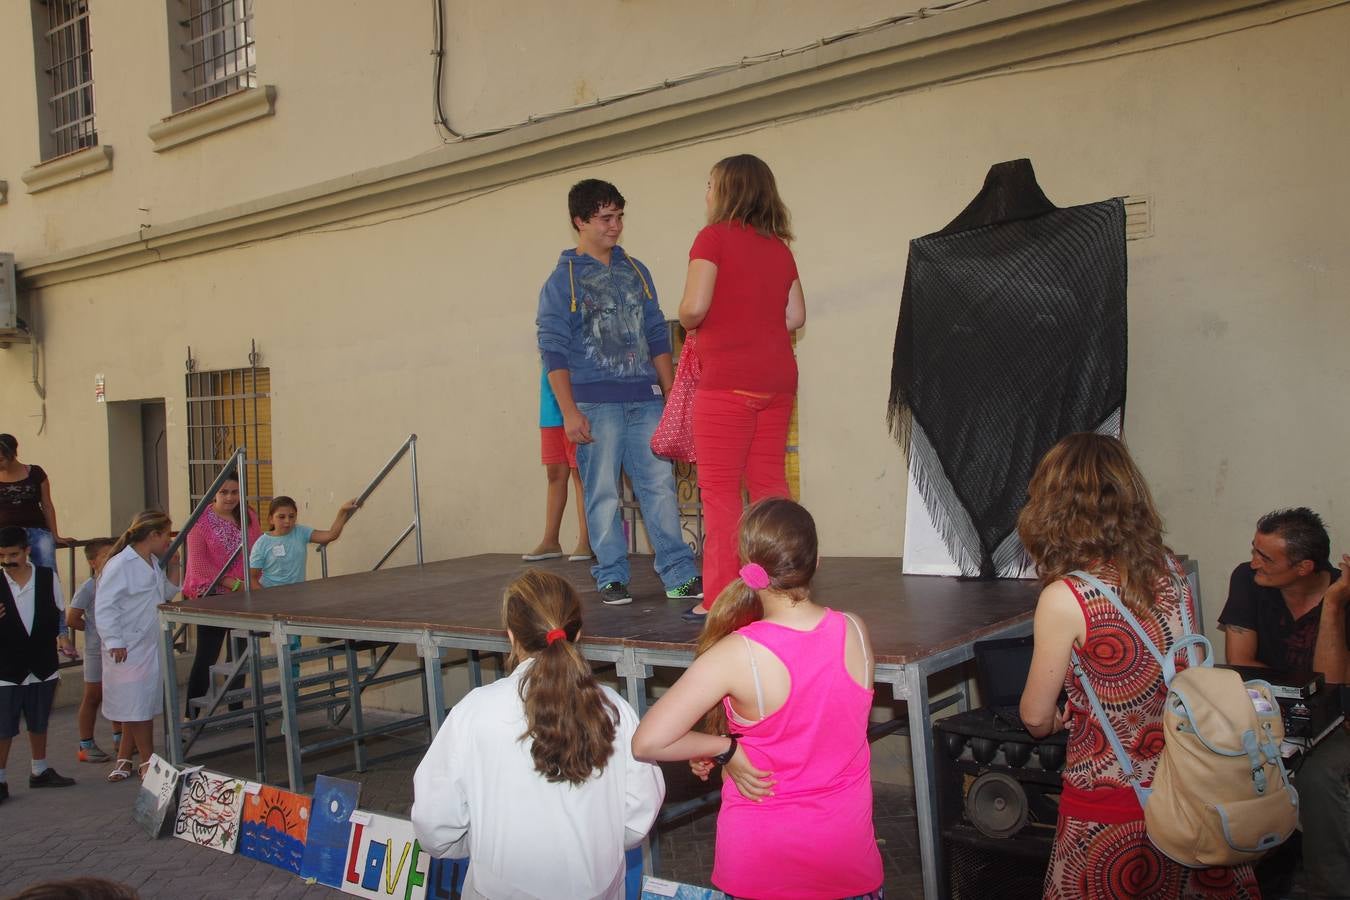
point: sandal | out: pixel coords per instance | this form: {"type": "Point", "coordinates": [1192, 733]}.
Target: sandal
{"type": "Point", "coordinates": [145, 765]}
{"type": "Point", "coordinates": [121, 771]}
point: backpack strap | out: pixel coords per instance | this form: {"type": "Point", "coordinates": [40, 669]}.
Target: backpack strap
{"type": "Point", "coordinates": [1126, 764]}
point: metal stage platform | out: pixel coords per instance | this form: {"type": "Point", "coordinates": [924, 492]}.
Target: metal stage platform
{"type": "Point", "coordinates": [919, 625]}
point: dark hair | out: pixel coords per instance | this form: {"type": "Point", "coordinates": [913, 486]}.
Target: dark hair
{"type": "Point", "coordinates": [142, 526]}
{"type": "Point", "coordinates": [586, 198]}
{"type": "Point", "coordinates": [1305, 537]}
{"type": "Point", "coordinates": [780, 535]}
{"type": "Point", "coordinates": [1088, 504]}
{"type": "Point", "coordinates": [568, 717]}
{"type": "Point", "coordinates": [13, 536]}
{"type": "Point", "coordinates": [78, 889]}
{"type": "Point", "coordinates": [282, 502]}
{"type": "Point", "coordinates": [92, 548]}
{"type": "Point", "coordinates": [233, 475]}
{"type": "Point", "coordinates": [9, 446]}
{"type": "Point", "coordinates": [744, 190]}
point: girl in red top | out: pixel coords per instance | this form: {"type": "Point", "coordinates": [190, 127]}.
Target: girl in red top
{"type": "Point", "coordinates": [743, 296]}
{"type": "Point", "coordinates": [1089, 509]}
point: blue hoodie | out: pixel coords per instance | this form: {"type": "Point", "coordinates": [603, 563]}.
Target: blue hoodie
{"type": "Point", "coordinates": [602, 323]}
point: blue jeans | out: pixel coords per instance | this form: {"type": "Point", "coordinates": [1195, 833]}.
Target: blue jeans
{"type": "Point", "coordinates": [41, 547]}
{"type": "Point", "coordinates": [621, 435]}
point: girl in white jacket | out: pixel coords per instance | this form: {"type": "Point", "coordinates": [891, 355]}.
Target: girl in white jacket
{"type": "Point", "coordinates": [130, 591]}
{"type": "Point", "coordinates": [533, 777]}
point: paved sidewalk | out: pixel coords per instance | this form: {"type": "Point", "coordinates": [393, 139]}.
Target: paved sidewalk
{"type": "Point", "coordinates": [87, 829]}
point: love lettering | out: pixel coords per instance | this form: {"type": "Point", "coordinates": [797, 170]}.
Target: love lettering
{"type": "Point", "coordinates": [388, 865]}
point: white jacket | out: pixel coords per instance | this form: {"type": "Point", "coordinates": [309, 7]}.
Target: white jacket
{"type": "Point", "coordinates": [477, 794]}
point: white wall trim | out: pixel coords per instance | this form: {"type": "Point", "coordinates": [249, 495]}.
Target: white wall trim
{"type": "Point", "coordinates": [979, 40]}
{"type": "Point", "coordinates": [68, 168]}
{"type": "Point", "coordinates": [210, 118]}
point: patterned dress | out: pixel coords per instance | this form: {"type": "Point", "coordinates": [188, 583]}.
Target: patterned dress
{"type": "Point", "coordinates": [1113, 859]}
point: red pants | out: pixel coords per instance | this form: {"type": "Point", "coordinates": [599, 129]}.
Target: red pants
{"type": "Point", "coordinates": [736, 437]}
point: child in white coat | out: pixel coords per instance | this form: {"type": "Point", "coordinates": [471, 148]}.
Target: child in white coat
{"type": "Point", "coordinates": [130, 591]}
{"type": "Point", "coordinates": [533, 777]}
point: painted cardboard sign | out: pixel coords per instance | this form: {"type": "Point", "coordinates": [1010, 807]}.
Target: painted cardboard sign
{"type": "Point", "coordinates": [385, 859]}
{"type": "Point", "coordinates": [275, 827]}
{"type": "Point", "coordinates": [157, 796]}
{"type": "Point", "coordinates": [209, 809]}
{"type": "Point", "coordinates": [325, 855]}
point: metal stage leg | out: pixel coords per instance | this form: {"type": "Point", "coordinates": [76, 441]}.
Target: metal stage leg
{"type": "Point", "coordinates": [173, 721]}
{"type": "Point", "coordinates": [354, 701]}
{"type": "Point", "coordinates": [475, 668]}
{"type": "Point", "coordinates": [921, 763]}
{"type": "Point", "coordinates": [435, 690]}
{"type": "Point", "coordinates": [259, 714]}
{"type": "Point", "coordinates": [635, 675]}
{"type": "Point", "coordinates": [290, 698]}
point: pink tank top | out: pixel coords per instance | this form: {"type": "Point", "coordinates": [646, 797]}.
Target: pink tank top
{"type": "Point", "coordinates": [813, 838]}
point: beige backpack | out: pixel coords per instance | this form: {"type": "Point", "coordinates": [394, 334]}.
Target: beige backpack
{"type": "Point", "coordinates": [1220, 795]}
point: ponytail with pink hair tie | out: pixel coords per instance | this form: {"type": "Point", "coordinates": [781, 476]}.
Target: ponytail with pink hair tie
{"type": "Point", "coordinates": [754, 576]}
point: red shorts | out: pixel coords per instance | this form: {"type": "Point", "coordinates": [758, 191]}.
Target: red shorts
{"type": "Point", "coordinates": [555, 448]}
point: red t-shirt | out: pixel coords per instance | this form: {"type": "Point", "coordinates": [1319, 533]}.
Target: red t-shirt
{"type": "Point", "coordinates": [743, 343]}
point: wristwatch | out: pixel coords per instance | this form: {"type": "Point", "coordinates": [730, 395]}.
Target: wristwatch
{"type": "Point", "coordinates": [725, 757]}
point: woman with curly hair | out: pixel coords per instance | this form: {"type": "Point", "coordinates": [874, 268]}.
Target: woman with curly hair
{"type": "Point", "coordinates": [532, 776]}
{"type": "Point", "coordinates": [1089, 511]}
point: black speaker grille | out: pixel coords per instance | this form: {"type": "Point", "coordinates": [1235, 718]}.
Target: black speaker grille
{"type": "Point", "coordinates": [978, 871]}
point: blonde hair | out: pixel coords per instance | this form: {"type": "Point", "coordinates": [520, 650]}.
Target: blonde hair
{"type": "Point", "coordinates": [142, 526]}
{"type": "Point", "coordinates": [780, 535]}
{"type": "Point", "coordinates": [569, 720]}
{"type": "Point", "coordinates": [744, 190]}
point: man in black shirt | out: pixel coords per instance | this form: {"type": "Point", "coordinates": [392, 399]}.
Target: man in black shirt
{"type": "Point", "coordinates": [1286, 610]}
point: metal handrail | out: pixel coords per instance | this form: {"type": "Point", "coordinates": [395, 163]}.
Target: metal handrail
{"type": "Point", "coordinates": [409, 448]}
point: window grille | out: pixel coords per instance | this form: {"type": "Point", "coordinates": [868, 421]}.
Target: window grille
{"type": "Point", "coordinates": [218, 50]}
{"type": "Point", "coordinates": [227, 409]}
{"type": "Point", "coordinates": [71, 76]}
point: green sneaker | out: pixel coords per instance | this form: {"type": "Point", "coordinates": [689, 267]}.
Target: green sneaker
{"type": "Point", "coordinates": [690, 590]}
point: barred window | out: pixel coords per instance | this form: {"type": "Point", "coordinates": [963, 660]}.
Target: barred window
{"type": "Point", "coordinates": [65, 57]}
{"type": "Point", "coordinates": [217, 54]}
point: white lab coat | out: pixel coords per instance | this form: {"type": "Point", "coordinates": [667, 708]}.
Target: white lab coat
{"type": "Point", "coordinates": [477, 794]}
{"type": "Point", "coordinates": [130, 591]}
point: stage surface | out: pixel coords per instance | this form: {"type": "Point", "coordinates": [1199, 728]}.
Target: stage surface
{"type": "Point", "coordinates": [910, 617]}
{"type": "Point", "coordinates": [920, 625]}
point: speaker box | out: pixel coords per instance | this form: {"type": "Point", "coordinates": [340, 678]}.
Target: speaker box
{"type": "Point", "coordinates": [998, 802]}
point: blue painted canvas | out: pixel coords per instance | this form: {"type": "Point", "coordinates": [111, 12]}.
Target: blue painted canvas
{"type": "Point", "coordinates": [275, 827]}
{"type": "Point", "coordinates": [330, 830]}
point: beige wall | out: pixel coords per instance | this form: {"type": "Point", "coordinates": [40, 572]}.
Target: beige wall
{"type": "Point", "coordinates": [1238, 314]}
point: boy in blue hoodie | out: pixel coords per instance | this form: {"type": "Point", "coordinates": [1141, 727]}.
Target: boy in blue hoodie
{"type": "Point", "coordinates": [607, 353]}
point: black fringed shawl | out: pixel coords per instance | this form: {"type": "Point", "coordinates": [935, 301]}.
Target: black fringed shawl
{"type": "Point", "coordinates": [1012, 334]}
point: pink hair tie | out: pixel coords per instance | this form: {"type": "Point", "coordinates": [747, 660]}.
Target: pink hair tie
{"type": "Point", "coordinates": [556, 634]}
{"type": "Point", "coordinates": [754, 576]}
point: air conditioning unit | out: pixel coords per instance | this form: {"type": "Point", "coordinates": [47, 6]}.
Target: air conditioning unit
{"type": "Point", "coordinates": [12, 327]}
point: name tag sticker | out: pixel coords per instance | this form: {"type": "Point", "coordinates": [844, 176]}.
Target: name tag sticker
{"type": "Point", "coordinates": [279, 551]}
{"type": "Point", "coordinates": [656, 389]}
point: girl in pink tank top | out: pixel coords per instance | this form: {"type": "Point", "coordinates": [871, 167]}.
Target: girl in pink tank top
{"type": "Point", "coordinates": [784, 687]}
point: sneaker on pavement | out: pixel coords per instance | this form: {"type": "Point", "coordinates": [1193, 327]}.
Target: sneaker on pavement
{"type": "Point", "coordinates": [93, 755]}
{"type": "Point", "coordinates": [542, 552]}
{"type": "Point", "coordinates": [693, 615]}
{"type": "Point", "coordinates": [49, 778]}
{"type": "Point", "coordinates": [690, 590]}
{"type": "Point", "coordinates": [615, 593]}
